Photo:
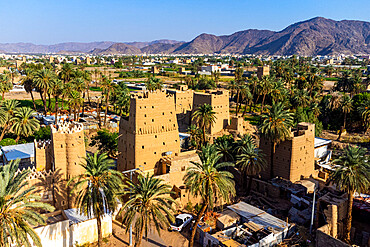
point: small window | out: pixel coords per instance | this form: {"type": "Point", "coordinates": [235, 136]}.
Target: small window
{"type": "Point", "coordinates": [162, 113]}
{"type": "Point", "coordinates": [155, 152]}
{"type": "Point", "coordinates": [152, 106]}
{"type": "Point", "coordinates": [144, 163]}
{"type": "Point", "coordinates": [142, 147]}
{"type": "Point", "coordinates": [183, 168]}
{"type": "Point", "coordinates": [164, 143]}
{"type": "Point", "coordinates": [144, 115]}
{"type": "Point", "coordinates": [155, 136]}
{"type": "Point", "coordinates": [61, 145]}
{"type": "Point", "coordinates": [153, 120]}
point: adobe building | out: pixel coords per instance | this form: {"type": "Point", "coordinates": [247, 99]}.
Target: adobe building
{"type": "Point", "coordinates": [154, 70]}
{"type": "Point", "coordinates": [88, 60]}
{"type": "Point", "coordinates": [219, 100]}
{"type": "Point", "coordinates": [294, 158]}
{"type": "Point", "coordinates": [60, 157]}
{"type": "Point", "coordinates": [149, 134]}
{"type": "Point", "coordinates": [263, 71]}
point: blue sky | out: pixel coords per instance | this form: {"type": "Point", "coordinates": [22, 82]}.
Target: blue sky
{"type": "Point", "coordinates": [54, 21]}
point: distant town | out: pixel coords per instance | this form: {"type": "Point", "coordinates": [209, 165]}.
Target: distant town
{"type": "Point", "coordinates": [184, 150]}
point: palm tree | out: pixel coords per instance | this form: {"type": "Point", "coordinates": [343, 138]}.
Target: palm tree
{"type": "Point", "coordinates": [352, 175]}
{"type": "Point", "coordinates": [57, 90]}
{"type": "Point", "coordinates": [66, 73]}
{"type": "Point", "coordinates": [265, 88]}
{"type": "Point", "coordinates": [75, 102]}
{"type": "Point", "coordinates": [243, 142]}
{"type": "Point", "coordinates": [224, 145]}
{"type": "Point", "coordinates": [276, 127]}
{"type": "Point", "coordinates": [19, 207]}
{"type": "Point", "coordinates": [107, 87]}
{"type": "Point", "coordinates": [195, 135]}
{"type": "Point", "coordinates": [5, 85]}
{"type": "Point", "coordinates": [153, 83]}
{"type": "Point", "coordinates": [209, 180]}
{"type": "Point", "coordinates": [346, 107]}
{"type": "Point", "coordinates": [28, 84]}
{"type": "Point", "coordinates": [365, 113]}
{"type": "Point", "coordinates": [97, 188]}
{"type": "Point", "coordinates": [251, 162]}
{"type": "Point", "coordinates": [7, 110]}
{"type": "Point", "coordinates": [43, 79]}
{"type": "Point", "coordinates": [149, 201]}
{"type": "Point", "coordinates": [23, 122]}
{"type": "Point", "coordinates": [205, 117]}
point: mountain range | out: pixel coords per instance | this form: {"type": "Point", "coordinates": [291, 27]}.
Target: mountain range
{"type": "Point", "coordinates": [317, 36]}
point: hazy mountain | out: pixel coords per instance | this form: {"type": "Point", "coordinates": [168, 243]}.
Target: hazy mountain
{"type": "Point", "coordinates": [141, 45]}
{"type": "Point", "coordinates": [68, 47]}
{"type": "Point", "coordinates": [317, 36]}
{"type": "Point", "coordinates": [119, 48]}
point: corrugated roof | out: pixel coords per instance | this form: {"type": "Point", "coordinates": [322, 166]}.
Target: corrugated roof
{"type": "Point", "coordinates": [75, 217]}
{"type": "Point", "coordinates": [20, 151]}
{"type": "Point", "coordinates": [258, 216]}
{"type": "Point", "coordinates": [321, 142]}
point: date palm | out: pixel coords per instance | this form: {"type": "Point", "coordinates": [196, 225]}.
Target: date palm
{"type": "Point", "coordinates": [57, 90]}
{"type": "Point", "coordinates": [75, 102]}
{"type": "Point", "coordinates": [43, 78]}
{"type": "Point", "coordinates": [346, 107]}
{"type": "Point", "coordinates": [209, 180]}
{"type": "Point", "coordinates": [205, 117]}
{"type": "Point", "coordinates": [5, 84]}
{"type": "Point", "coordinates": [251, 161]}
{"type": "Point", "coordinates": [276, 124]}
{"type": "Point", "coordinates": [352, 175]}
{"type": "Point", "coordinates": [7, 110]}
{"type": "Point", "coordinates": [107, 87]}
{"type": "Point", "coordinates": [23, 122]}
{"type": "Point", "coordinates": [149, 201]}
{"type": "Point", "coordinates": [97, 188]}
{"type": "Point", "coordinates": [28, 84]}
{"type": "Point", "coordinates": [19, 208]}
{"type": "Point", "coordinates": [365, 113]}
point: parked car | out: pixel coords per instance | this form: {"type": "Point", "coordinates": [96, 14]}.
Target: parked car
{"type": "Point", "coordinates": [181, 221]}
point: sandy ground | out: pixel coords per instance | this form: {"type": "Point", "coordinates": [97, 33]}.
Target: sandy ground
{"type": "Point", "coordinates": [26, 96]}
{"type": "Point", "coordinates": [174, 239]}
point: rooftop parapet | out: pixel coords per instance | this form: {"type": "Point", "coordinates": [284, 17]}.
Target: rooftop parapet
{"type": "Point", "coordinates": [67, 127]}
{"type": "Point", "coordinates": [42, 144]}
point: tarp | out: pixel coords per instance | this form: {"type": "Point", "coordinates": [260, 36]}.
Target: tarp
{"type": "Point", "coordinates": [20, 151]}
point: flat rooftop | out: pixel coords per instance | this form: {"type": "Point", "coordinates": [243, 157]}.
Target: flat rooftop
{"type": "Point", "coordinates": [20, 151]}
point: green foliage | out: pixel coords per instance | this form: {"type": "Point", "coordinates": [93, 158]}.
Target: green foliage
{"type": "Point", "coordinates": [96, 89]}
{"type": "Point", "coordinates": [106, 141]}
{"type": "Point", "coordinates": [306, 115]}
{"type": "Point", "coordinates": [7, 142]}
{"type": "Point", "coordinates": [149, 201]}
{"type": "Point", "coordinates": [19, 207]}
{"type": "Point", "coordinates": [132, 74]}
{"type": "Point", "coordinates": [44, 133]}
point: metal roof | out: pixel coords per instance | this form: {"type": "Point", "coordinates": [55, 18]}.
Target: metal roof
{"type": "Point", "coordinates": [258, 216]}
{"type": "Point", "coordinates": [321, 142]}
{"type": "Point", "coordinates": [75, 217]}
{"type": "Point", "coordinates": [20, 151]}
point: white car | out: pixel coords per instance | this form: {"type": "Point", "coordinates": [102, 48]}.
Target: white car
{"type": "Point", "coordinates": [181, 221]}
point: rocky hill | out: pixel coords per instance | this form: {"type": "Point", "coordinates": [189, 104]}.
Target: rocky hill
{"type": "Point", "coordinates": [317, 36]}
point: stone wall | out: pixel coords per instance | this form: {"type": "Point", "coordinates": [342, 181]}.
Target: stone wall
{"type": "Point", "coordinates": [323, 238]}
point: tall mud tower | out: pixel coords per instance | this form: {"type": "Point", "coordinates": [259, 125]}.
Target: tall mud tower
{"type": "Point", "coordinates": [64, 152]}
{"type": "Point", "coordinates": [150, 133]}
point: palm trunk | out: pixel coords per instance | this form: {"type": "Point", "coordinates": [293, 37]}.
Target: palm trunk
{"type": "Point", "coordinates": [347, 230]}
{"type": "Point", "coordinates": [83, 104]}
{"type": "Point", "coordinates": [273, 146]}
{"type": "Point", "coordinates": [98, 114]}
{"type": "Point", "coordinates": [194, 230]}
{"type": "Point", "coordinates": [3, 95]}
{"type": "Point", "coordinates": [16, 140]}
{"type": "Point", "coordinates": [245, 108]}
{"type": "Point", "coordinates": [344, 121]}
{"type": "Point", "coordinates": [138, 242]}
{"type": "Point", "coordinates": [56, 110]}
{"type": "Point", "coordinates": [249, 187]}
{"type": "Point", "coordinates": [100, 236]}
{"type": "Point", "coordinates": [237, 103]}
{"type": "Point", "coordinates": [106, 108]}
{"type": "Point", "coordinates": [204, 134]}
{"type": "Point", "coordinates": [263, 102]}
{"type": "Point", "coordinates": [3, 132]}
{"type": "Point", "coordinates": [33, 100]}
{"type": "Point", "coordinates": [43, 98]}
{"type": "Point", "coordinates": [49, 105]}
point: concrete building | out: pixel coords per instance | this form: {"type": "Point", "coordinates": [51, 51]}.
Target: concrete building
{"type": "Point", "coordinates": [150, 133]}
{"type": "Point", "coordinates": [263, 71]}
{"type": "Point", "coordinates": [295, 157]}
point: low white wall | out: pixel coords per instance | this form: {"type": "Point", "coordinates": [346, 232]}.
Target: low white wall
{"type": "Point", "coordinates": [62, 234]}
